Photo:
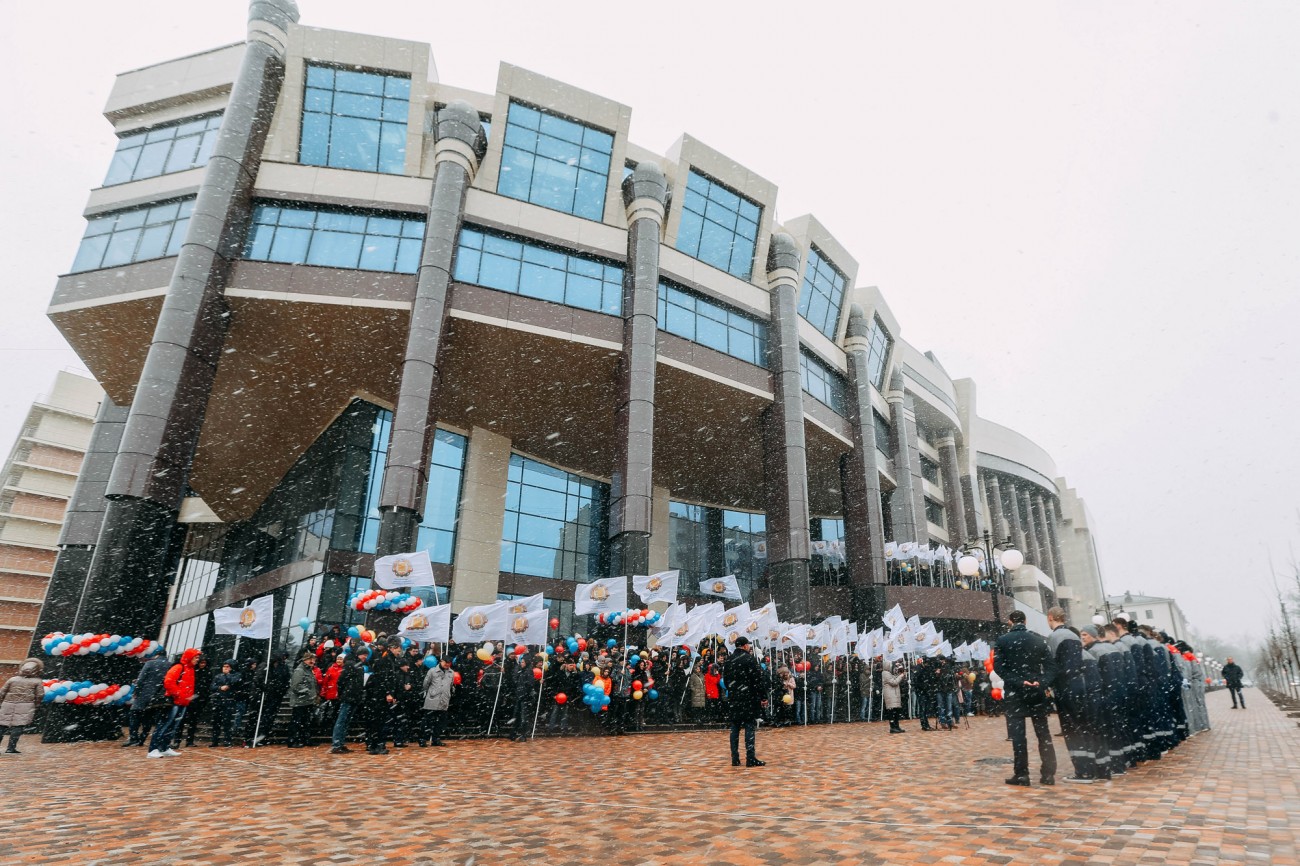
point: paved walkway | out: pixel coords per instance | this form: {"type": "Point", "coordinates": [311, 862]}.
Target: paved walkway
{"type": "Point", "coordinates": [842, 794]}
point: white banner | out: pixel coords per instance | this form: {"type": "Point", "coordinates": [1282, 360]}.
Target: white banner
{"type": "Point", "coordinates": [656, 587]}
{"type": "Point", "coordinates": [480, 623]}
{"type": "Point", "coordinates": [733, 624]}
{"type": "Point", "coordinates": [725, 586]}
{"type": "Point", "coordinates": [600, 596]}
{"type": "Point", "coordinates": [531, 604]}
{"type": "Point", "coordinates": [894, 619]}
{"type": "Point", "coordinates": [527, 628]}
{"type": "Point", "coordinates": [427, 624]}
{"type": "Point", "coordinates": [404, 569]}
{"type": "Point", "coordinates": [255, 621]}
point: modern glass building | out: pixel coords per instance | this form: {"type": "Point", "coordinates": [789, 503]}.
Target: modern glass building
{"type": "Point", "coordinates": [335, 318]}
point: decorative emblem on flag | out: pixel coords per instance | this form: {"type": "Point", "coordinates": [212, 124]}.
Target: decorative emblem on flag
{"type": "Point", "coordinates": [729, 619]}
{"type": "Point", "coordinates": [477, 620]}
{"type": "Point", "coordinates": [655, 583]}
{"type": "Point", "coordinates": [247, 617]}
{"type": "Point", "coordinates": [418, 621]}
{"type": "Point", "coordinates": [682, 630]}
{"type": "Point", "coordinates": [811, 634]}
{"type": "Point", "coordinates": [599, 593]}
{"type": "Point", "coordinates": [719, 586]}
{"type": "Point", "coordinates": [774, 634]}
{"type": "Point", "coordinates": [731, 638]}
{"type": "Point", "coordinates": [522, 607]}
{"type": "Point", "coordinates": [402, 568]}
{"type": "Point", "coordinates": [752, 628]}
{"type": "Point", "coordinates": [519, 624]}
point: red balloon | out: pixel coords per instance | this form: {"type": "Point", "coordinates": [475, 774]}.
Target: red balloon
{"type": "Point", "coordinates": [455, 678]}
{"type": "Point", "coordinates": [537, 673]}
{"type": "Point", "coordinates": [582, 644]}
{"type": "Point", "coordinates": [555, 623]}
{"type": "Point", "coordinates": [561, 698]}
{"type": "Point", "coordinates": [636, 685]}
{"type": "Point", "coordinates": [520, 649]}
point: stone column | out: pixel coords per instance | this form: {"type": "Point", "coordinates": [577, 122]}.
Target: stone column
{"type": "Point", "coordinates": [80, 534]}
{"type": "Point", "coordinates": [1025, 509]}
{"type": "Point", "coordinates": [785, 467]}
{"type": "Point", "coordinates": [126, 589]}
{"type": "Point", "coordinates": [952, 491]}
{"type": "Point", "coordinates": [631, 492]}
{"type": "Point", "coordinates": [864, 521]}
{"type": "Point", "coordinates": [903, 503]}
{"type": "Point", "coordinates": [1053, 532]}
{"type": "Point", "coordinates": [1011, 506]}
{"type": "Point", "coordinates": [1044, 538]}
{"type": "Point", "coordinates": [993, 496]}
{"type": "Point", "coordinates": [459, 147]}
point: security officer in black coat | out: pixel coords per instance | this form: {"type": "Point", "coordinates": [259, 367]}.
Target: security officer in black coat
{"type": "Point", "coordinates": [745, 691]}
{"type": "Point", "coordinates": [1070, 690]}
{"type": "Point", "coordinates": [1023, 661]}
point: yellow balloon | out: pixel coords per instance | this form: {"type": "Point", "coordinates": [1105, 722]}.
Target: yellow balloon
{"type": "Point", "coordinates": [637, 695]}
{"type": "Point", "coordinates": [787, 699]}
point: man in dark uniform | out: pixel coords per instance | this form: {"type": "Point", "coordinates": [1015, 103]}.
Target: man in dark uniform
{"type": "Point", "coordinates": [1070, 690]}
{"type": "Point", "coordinates": [745, 688]}
{"type": "Point", "coordinates": [1025, 665]}
{"type": "Point", "coordinates": [1232, 675]}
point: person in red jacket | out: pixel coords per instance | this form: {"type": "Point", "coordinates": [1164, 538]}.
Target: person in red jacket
{"type": "Point", "coordinates": [327, 684]}
{"type": "Point", "coordinates": [179, 686]}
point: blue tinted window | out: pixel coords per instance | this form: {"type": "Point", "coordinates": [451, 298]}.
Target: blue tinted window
{"type": "Point", "coordinates": [133, 235]}
{"type": "Point", "coordinates": [554, 162]}
{"type": "Point", "coordinates": [878, 352]}
{"type": "Point", "coordinates": [437, 533]}
{"type": "Point", "coordinates": [336, 239]}
{"type": "Point", "coordinates": [524, 268]}
{"type": "Point", "coordinates": [822, 382]}
{"type": "Point", "coordinates": [555, 522]}
{"type": "Point", "coordinates": [354, 120]}
{"type": "Point", "coordinates": [718, 227]}
{"type": "Point", "coordinates": [822, 294]}
{"type": "Point", "coordinates": [711, 324]}
{"type": "Point", "coordinates": [163, 149]}
{"type": "Point", "coordinates": [744, 540]}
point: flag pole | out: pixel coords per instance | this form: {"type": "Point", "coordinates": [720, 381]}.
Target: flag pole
{"type": "Point", "coordinates": [497, 699]}
{"type": "Point", "coordinates": [541, 684]}
{"type": "Point", "coordinates": [835, 674]}
{"type": "Point", "coordinates": [848, 686]}
{"type": "Point", "coordinates": [261, 704]}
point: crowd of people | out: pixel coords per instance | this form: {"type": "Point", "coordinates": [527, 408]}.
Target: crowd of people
{"type": "Point", "coordinates": [1124, 694]}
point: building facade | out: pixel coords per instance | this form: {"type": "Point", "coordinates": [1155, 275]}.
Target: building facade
{"type": "Point", "coordinates": [343, 309]}
{"type": "Point", "coordinates": [38, 481]}
{"type": "Point", "coordinates": [1162, 613]}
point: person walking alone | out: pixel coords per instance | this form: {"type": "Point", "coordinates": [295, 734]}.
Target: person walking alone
{"type": "Point", "coordinates": [744, 682]}
{"type": "Point", "coordinates": [20, 697]}
{"type": "Point", "coordinates": [1025, 665]}
{"type": "Point", "coordinates": [891, 693]}
{"type": "Point", "coordinates": [1232, 675]}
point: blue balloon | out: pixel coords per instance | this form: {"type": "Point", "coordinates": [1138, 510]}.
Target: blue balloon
{"type": "Point", "coordinates": [611, 643]}
{"type": "Point", "coordinates": [604, 700]}
{"type": "Point", "coordinates": [654, 694]}
{"type": "Point", "coordinates": [635, 658]}
{"type": "Point", "coordinates": [354, 632]}
{"type": "Point", "coordinates": [430, 661]}
{"type": "Point", "coordinates": [304, 624]}
{"type": "Point", "coordinates": [683, 652]}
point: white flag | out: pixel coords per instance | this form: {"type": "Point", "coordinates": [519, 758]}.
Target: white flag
{"type": "Point", "coordinates": [600, 596]}
{"type": "Point", "coordinates": [733, 624]}
{"type": "Point", "coordinates": [837, 646]}
{"type": "Point", "coordinates": [725, 586]}
{"type": "Point", "coordinates": [894, 619]}
{"type": "Point", "coordinates": [428, 624]}
{"type": "Point", "coordinates": [893, 650]}
{"type": "Point", "coordinates": [962, 652]}
{"type": "Point", "coordinates": [795, 635]}
{"type": "Point", "coordinates": [693, 627]}
{"type": "Point", "coordinates": [764, 626]}
{"type": "Point", "coordinates": [891, 552]}
{"type": "Point", "coordinates": [656, 587]}
{"type": "Point", "coordinates": [479, 623]}
{"type": "Point", "coordinates": [532, 604]}
{"type": "Point", "coordinates": [923, 638]}
{"type": "Point", "coordinates": [255, 621]}
{"type": "Point", "coordinates": [527, 627]}
{"type": "Point", "coordinates": [404, 569]}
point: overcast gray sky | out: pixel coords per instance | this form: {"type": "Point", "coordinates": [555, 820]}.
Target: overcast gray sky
{"type": "Point", "coordinates": [1091, 209]}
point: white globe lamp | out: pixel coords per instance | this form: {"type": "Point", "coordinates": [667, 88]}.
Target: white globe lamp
{"type": "Point", "coordinates": [1012, 559]}
{"type": "Point", "coordinates": [968, 565]}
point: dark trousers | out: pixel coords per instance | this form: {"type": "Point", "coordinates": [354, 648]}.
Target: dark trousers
{"type": "Point", "coordinates": [14, 732]}
{"type": "Point", "coordinates": [751, 728]}
{"type": "Point", "coordinates": [1020, 745]}
{"type": "Point", "coordinates": [301, 726]}
{"type": "Point", "coordinates": [1235, 692]}
{"type": "Point", "coordinates": [223, 714]}
{"type": "Point", "coordinates": [434, 722]}
{"type": "Point", "coordinates": [525, 707]}
{"type": "Point", "coordinates": [376, 721]}
{"type": "Point", "coordinates": [895, 715]}
{"type": "Point", "coordinates": [138, 724]}
{"type": "Point", "coordinates": [193, 716]}
{"type": "Point", "coordinates": [167, 729]}
{"type": "Point", "coordinates": [1079, 740]}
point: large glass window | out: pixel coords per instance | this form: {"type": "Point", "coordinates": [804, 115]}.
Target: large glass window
{"type": "Point", "coordinates": [829, 566]}
{"type": "Point", "coordinates": [744, 544]}
{"type": "Point", "coordinates": [554, 162]}
{"type": "Point", "coordinates": [301, 601]}
{"type": "Point", "coordinates": [163, 149]}
{"type": "Point", "coordinates": [355, 120]}
{"type": "Point", "coordinates": [555, 522]}
{"type": "Point", "coordinates": [878, 352]}
{"type": "Point", "coordinates": [528, 269]}
{"type": "Point", "coordinates": [822, 382]}
{"type": "Point", "coordinates": [884, 434]}
{"type": "Point", "coordinates": [934, 512]}
{"type": "Point", "coordinates": [186, 634]}
{"type": "Point", "coordinates": [133, 235]}
{"type": "Point", "coordinates": [712, 324]}
{"type": "Point", "coordinates": [929, 470]}
{"type": "Point", "coordinates": [335, 239]}
{"type": "Point", "coordinates": [822, 293]}
{"type": "Point", "coordinates": [719, 227]}
{"type": "Point", "coordinates": [688, 543]}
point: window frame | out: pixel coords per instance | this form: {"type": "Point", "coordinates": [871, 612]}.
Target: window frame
{"type": "Point", "coordinates": [706, 209]}
{"type": "Point", "coordinates": [149, 136]}
{"type": "Point", "coordinates": [532, 133]}
{"type": "Point", "coordinates": [387, 127]}
{"type": "Point", "coordinates": [813, 291]}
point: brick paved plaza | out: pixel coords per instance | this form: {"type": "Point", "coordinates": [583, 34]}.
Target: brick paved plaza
{"type": "Point", "coordinates": [844, 794]}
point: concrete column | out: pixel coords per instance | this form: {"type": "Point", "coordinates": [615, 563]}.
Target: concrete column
{"type": "Point", "coordinates": [903, 504]}
{"type": "Point", "coordinates": [1011, 507]}
{"type": "Point", "coordinates": [661, 531]}
{"type": "Point", "coordinates": [1025, 510]}
{"type": "Point", "coordinates": [81, 525]}
{"type": "Point", "coordinates": [477, 563]}
{"type": "Point", "coordinates": [1053, 533]}
{"type": "Point", "coordinates": [785, 467]}
{"type": "Point", "coordinates": [1044, 538]}
{"type": "Point", "coordinates": [126, 589]}
{"type": "Point", "coordinates": [952, 491]}
{"type": "Point", "coordinates": [993, 496]}
{"type": "Point", "coordinates": [645, 192]}
{"type": "Point", "coordinates": [864, 525]}
{"type": "Point", "coordinates": [459, 147]}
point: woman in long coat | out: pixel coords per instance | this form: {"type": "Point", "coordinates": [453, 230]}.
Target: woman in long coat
{"type": "Point", "coordinates": [892, 693]}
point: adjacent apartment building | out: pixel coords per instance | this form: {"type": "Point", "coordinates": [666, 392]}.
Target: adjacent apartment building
{"type": "Point", "coordinates": [38, 480]}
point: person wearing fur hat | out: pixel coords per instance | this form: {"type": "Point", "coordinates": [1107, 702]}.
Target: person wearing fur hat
{"type": "Point", "coordinates": [20, 697]}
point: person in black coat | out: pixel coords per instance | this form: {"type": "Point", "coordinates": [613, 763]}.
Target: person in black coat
{"type": "Point", "coordinates": [523, 685]}
{"type": "Point", "coordinates": [745, 692]}
{"type": "Point", "coordinates": [382, 693]}
{"type": "Point", "coordinates": [1070, 690]}
{"type": "Point", "coordinates": [352, 695]}
{"type": "Point", "coordinates": [223, 687]}
{"type": "Point", "coordinates": [198, 706]}
{"type": "Point", "coordinates": [146, 696]}
{"type": "Point", "coordinates": [1025, 665]}
{"type": "Point", "coordinates": [1232, 676]}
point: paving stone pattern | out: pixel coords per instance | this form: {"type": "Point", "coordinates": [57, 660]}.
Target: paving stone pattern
{"type": "Point", "coordinates": [841, 794]}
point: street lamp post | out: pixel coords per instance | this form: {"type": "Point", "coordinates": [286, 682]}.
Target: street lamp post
{"type": "Point", "coordinates": [969, 565]}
